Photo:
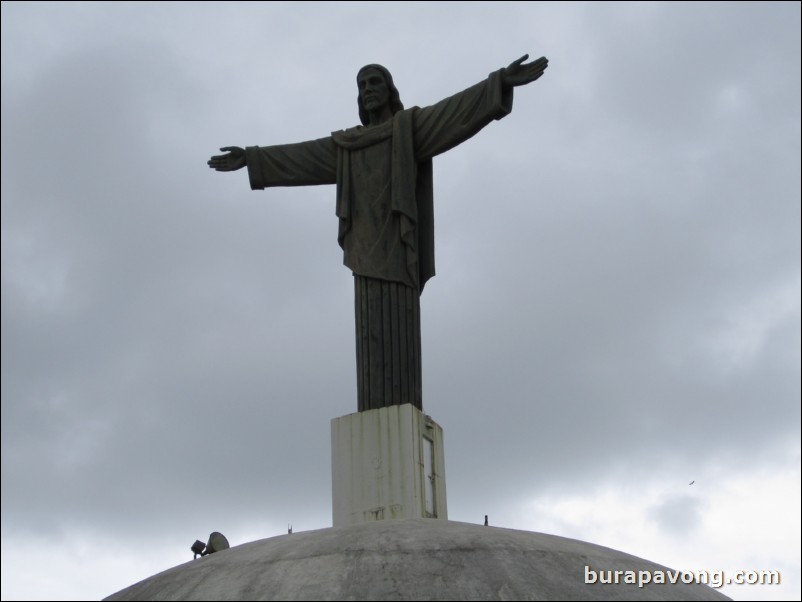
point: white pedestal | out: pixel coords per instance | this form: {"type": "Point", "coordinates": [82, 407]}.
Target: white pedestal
{"type": "Point", "coordinates": [387, 463]}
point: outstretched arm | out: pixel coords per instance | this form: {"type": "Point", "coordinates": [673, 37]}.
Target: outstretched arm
{"type": "Point", "coordinates": [233, 160]}
{"type": "Point", "coordinates": [520, 74]}
{"type": "Point", "coordinates": [300, 164]}
{"type": "Point", "coordinates": [455, 119]}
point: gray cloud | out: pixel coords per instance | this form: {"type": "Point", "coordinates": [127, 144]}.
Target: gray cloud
{"type": "Point", "coordinates": [679, 515]}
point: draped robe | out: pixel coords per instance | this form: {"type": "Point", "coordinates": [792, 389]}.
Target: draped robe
{"type": "Point", "coordinates": [383, 175]}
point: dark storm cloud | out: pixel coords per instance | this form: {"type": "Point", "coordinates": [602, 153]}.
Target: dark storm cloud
{"type": "Point", "coordinates": [130, 315]}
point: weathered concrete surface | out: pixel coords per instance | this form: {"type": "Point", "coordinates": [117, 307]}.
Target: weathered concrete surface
{"type": "Point", "coordinates": [413, 559]}
{"type": "Point", "coordinates": [381, 469]}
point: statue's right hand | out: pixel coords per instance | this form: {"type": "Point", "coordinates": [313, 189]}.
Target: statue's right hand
{"type": "Point", "coordinates": [233, 159]}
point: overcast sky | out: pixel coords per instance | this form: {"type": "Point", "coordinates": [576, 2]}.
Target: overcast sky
{"type": "Point", "coordinates": [616, 311]}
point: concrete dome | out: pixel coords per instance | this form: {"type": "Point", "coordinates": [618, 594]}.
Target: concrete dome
{"type": "Point", "coordinates": [414, 559]}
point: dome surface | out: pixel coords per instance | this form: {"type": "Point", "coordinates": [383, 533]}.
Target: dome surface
{"type": "Point", "coordinates": [414, 559]}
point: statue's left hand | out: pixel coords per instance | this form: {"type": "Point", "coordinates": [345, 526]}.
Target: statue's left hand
{"type": "Point", "coordinates": [520, 74]}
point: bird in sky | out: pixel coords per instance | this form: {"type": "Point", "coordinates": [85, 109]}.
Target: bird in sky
{"type": "Point", "coordinates": [691, 483]}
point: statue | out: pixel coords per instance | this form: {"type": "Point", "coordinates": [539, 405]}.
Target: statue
{"type": "Point", "coordinates": [383, 173]}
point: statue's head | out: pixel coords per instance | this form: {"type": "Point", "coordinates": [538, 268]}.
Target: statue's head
{"type": "Point", "coordinates": [376, 87]}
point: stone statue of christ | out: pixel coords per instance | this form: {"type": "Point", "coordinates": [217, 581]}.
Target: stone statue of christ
{"type": "Point", "coordinates": [383, 173]}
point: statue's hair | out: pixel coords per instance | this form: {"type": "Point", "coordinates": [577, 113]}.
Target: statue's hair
{"type": "Point", "coordinates": [395, 99]}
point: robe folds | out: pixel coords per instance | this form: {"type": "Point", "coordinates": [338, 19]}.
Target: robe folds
{"type": "Point", "coordinates": [384, 204]}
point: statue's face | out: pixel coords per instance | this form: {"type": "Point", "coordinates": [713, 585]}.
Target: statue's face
{"type": "Point", "coordinates": [373, 90]}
